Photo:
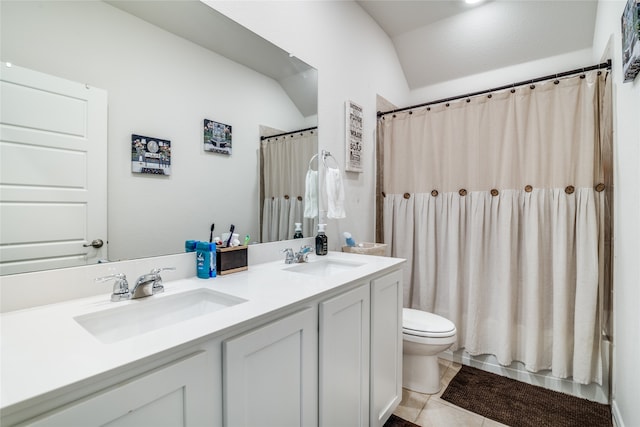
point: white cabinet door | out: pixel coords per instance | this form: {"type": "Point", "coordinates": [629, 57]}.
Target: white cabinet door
{"type": "Point", "coordinates": [172, 396]}
{"type": "Point", "coordinates": [386, 346]}
{"type": "Point", "coordinates": [344, 359]}
{"type": "Point", "coordinates": [270, 374]}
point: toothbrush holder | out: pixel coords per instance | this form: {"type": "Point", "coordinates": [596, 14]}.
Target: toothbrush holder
{"type": "Point", "coordinates": [231, 260]}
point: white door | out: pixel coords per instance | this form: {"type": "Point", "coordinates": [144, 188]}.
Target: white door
{"type": "Point", "coordinates": [386, 347]}
{"type": "Point", "coordinates": [53, 174]}
{"type": "Point", "coordinates": [344, 359]}
{"type": "Point", "coordinates": [270, 374]}
{"type": "Point", "coordinates": [176, 395]}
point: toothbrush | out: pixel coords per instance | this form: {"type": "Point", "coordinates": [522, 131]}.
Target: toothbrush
{"type": "Point", "coordinates": [231, 230]}
{"type": "Point", "coordinates": [211, 233]}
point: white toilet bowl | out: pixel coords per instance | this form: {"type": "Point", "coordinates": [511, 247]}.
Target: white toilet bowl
{"type": "Point", "coordinates": [424, 336]}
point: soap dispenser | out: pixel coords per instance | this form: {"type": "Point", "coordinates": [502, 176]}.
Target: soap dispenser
{"type": "Point", "coordinates": [298, 231]}
{"type": "Point", "coordinates": [322, 243]}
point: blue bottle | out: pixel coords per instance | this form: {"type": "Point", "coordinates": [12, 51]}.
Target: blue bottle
{"type": "Point", "coordinates": [205, 260]}
{"type": "Point", "coordinates": [349, 239]}
{"type": "Point", "coordinates": [190, 245]}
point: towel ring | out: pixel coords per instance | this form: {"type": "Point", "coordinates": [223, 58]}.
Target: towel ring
{"type": "Point", "coordinates": [315, 156]}
{"type": "Point", "coordinates": [326, 154]}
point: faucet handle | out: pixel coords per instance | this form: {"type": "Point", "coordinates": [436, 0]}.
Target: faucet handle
{"type": "Point", "coordinates": [303, 254]}
{"type": "Point", "coordinates": [157, 284]}
{"type": "Point", "coordinates": [120, 286]}
{"type": "Point", "coordinates": [288, 255]}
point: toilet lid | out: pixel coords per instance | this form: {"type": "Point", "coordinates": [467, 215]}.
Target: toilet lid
{"type": "Point", "coordinates": [424, 324]}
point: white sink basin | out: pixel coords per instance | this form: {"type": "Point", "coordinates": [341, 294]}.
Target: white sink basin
{"type": "Point", "coordinates": [151, 313]}
{"type": "Point", "coordinates": [324, 267]}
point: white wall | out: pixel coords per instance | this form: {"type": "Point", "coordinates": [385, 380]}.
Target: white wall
{"type": "Point", "coordinates": [626, 238]}
{"type": "Point", "coordinates": [162, 86]}
{"type": "Point", "coordinates": [502, 76]}
{"type": "Point", "coordinates": [355, 61]}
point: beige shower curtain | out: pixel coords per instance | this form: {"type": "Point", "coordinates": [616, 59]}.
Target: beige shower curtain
{"type": "Point", "coordinates": [284, 164]}
{"type": "Point", "coordinates": [497, 203]}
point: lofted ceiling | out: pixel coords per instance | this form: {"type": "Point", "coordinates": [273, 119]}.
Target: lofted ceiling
{"type": "Point", "coordinates": [441, 40]}
{"type": "Point", "coordinates": [435, 40]}
{"type": "Point", "coordinates": [199, 23]}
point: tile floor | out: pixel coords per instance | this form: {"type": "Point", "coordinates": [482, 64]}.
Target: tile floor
{"type": "Point", "coordinates": [428, 410]}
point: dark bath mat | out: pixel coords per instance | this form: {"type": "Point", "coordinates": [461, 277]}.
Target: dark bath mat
{"type": "Point", "coordinates": [395, 421]}
{"type": "Point", "coordinates": [519, 404]}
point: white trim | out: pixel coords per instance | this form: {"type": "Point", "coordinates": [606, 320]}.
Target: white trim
{"type": "Point", "coordinates": [594, 392]}
{"type": "Point", "coordinates": [616, 416]}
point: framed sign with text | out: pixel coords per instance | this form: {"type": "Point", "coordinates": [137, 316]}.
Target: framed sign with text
{"type": "Point", "coordinates": [631, 40]}
{"type": "Point", "coordinates": [353, 143]}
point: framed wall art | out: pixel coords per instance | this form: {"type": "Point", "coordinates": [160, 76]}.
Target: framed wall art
{"type": "Point", "coordinates": [217, 137]}
{"type": "Point", "coordinates": [150, 155]}
{"type": "Point", "coordinates": [353, 142]}
{"type": "Point", "coordinates": [631, 40]}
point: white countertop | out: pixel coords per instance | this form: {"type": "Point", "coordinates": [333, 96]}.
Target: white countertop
{"type": "Point", "coordinates": [43, 348]}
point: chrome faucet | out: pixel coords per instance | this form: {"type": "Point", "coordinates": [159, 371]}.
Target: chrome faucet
{"type": "Point", "coordinates": [120, 287]}
{"type": "Point", "coordinates": [149, 284]}
{"type": "Point", "coordinates": [301, 256]}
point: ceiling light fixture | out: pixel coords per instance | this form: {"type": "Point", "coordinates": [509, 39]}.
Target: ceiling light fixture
{"type": "Point", "coordinates": [473, 1]}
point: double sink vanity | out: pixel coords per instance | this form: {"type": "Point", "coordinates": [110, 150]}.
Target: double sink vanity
{"type": "Point", "coordinates": [307, 344]}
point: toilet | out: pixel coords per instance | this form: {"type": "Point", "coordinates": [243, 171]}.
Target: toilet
{"type": "Point", "coordinates": [424, 336]}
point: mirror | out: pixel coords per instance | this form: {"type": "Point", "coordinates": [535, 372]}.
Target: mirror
{"type": "Point", "coordinates": [167, 66]}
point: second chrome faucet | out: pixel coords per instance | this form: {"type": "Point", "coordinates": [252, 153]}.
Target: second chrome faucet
{"type": "Point", "coordinates": [298, 257]}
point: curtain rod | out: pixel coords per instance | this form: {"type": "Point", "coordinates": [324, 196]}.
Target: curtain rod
{"type": "Point", "coordinates": [262, 138]}
{"type": "Point", "coordinates": [602, 65]}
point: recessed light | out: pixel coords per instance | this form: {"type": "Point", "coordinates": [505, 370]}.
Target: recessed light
{"type": "Point", "coordinates": [473, 1]}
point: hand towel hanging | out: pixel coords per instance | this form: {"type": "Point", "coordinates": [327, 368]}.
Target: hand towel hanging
{"type": "Point", "coordinates": [311, 194]}
{"type": "Point", "coordinates": [335, 193]}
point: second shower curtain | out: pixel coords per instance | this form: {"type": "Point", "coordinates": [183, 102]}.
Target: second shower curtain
{"type": "Point", "coordinates": [285, 162]}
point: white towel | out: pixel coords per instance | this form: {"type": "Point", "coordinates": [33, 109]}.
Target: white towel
{"type": "Point", "coordinates": [335, 193]}
{"type": "Point", "coordinates": [311, 194]}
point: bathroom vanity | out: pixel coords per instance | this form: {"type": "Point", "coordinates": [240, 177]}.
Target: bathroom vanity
{"type": "Point", "coordinates": [309, 344]}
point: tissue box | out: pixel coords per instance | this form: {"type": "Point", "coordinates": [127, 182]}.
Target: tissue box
{"type": "Point", "coordinates": [231, 260]}
{"type": "Point", "coordinates": [367, 249]}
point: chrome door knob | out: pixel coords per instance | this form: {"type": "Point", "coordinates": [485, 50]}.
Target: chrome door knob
{"type": "Point", "coordinates": [97, 243]}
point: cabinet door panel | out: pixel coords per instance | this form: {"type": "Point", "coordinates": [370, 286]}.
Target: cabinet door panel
{"type": "Point", "coordinates": [270, 374]}
{"type": "Point", "coordinates": [386, 346]}
{"type": "Point", "coordinates": [344, 359]}
{"type": "Point", "coordinates": [172, 395]}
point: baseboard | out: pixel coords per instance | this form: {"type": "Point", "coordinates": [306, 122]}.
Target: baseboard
{"type": "Point", "coordinates": [617, 417]}
{"type": "Point", "coordinates": [594, 392]}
